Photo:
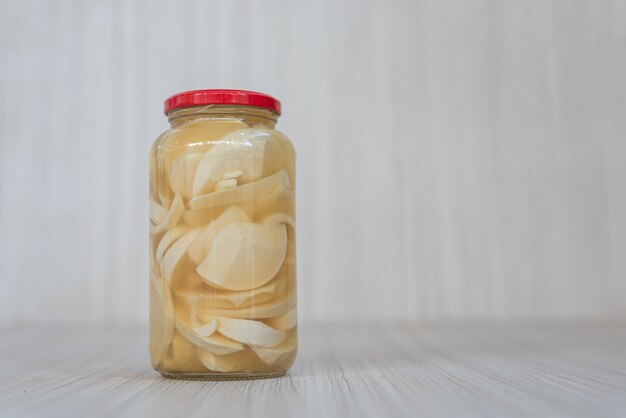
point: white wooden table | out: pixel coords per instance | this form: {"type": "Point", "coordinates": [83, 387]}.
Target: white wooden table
{"type": "Point", "coordinates": [343, 370]}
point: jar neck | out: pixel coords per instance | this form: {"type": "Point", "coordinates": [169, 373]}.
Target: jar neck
{"type": "Point", "coordinates": [246, 114]}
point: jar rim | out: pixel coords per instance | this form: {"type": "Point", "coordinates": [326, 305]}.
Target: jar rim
{"type": "Point", "coordinates": [221, 96]}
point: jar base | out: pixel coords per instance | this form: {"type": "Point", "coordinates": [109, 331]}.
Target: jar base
{"type": "Point", "coordinates": [223, 376]}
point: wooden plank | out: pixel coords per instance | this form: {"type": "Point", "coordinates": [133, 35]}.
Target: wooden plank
{"type": "Point", "coordinates": [343, 370]}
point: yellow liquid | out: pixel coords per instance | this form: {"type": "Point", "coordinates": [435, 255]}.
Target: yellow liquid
{"type": "Point", "coordinates": [223, 263]}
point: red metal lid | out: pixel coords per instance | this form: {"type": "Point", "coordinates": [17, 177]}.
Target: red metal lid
{"type": "Point", "coordinates": [213, 96]}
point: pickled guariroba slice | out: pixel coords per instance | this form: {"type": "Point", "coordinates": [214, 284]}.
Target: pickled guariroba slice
{"type": "Point", "coordinates": [223, 264]}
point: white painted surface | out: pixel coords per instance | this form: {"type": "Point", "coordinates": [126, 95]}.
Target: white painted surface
{"type": "Point", "coordinates": [457, 159]}
{"type": "Point", "coordinates": [343, 370]}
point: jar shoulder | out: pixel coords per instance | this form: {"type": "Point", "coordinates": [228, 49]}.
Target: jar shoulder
{"type": "Point", "coordinates": [197, 132]}
{"type": "Point", "coordinates": [197, 135]}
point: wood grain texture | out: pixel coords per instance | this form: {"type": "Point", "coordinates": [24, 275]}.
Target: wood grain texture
{"type": "Point", "coordinates": [457, 159]}
{"type": "Point", "coordinates": [343, 370]}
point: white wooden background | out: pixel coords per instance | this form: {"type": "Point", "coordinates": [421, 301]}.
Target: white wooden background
{"type": "Point", "coordinates": [457, 159]}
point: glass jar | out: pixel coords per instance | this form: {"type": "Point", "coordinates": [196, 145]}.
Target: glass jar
{"type": "Point", "coordinates": [222, 239]}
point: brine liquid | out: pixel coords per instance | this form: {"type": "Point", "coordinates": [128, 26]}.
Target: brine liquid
{"type": "Point", "coordinates": [223, 263]}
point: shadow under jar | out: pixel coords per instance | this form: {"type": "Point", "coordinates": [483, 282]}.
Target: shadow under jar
{"type": "Point", "coordinates": [222, 239]}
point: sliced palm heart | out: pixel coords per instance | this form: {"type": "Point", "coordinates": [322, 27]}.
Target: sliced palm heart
{"type": "Point", "coordinates": [183, 172]}
{"type": "Point", "coordinates": [226, 184]}
{"type": "Point", "coordinates": [241, 194]}
{"type": "Point", "coordinates": [161, 319]}
{"type": "Point", "coordinates": [157, 212]}
{"type": "Point", "coordinates": [183, 357]}
{"type": "Point", "coordinates": [164, 192]}
{"type": "Point", "coordinates": [204, 330]}
{"type": "Point", "coordinates": [232, 174]}
{"type": "Point", "coordinates": [275, 153]}
{"type": "Point", "coordinates": [275, 307]}
{"type": "Point", "coordinates": [167, 240]}
{"type": "Point", "coordinates": [251, 332]}
{"type": "Point", "coordinates": [215, 343]}
{"type": "Point", "coordinates": [238, 362]}
{"type": "Point", "coordinates": [244, 255]}
{"type": "Point", "coordinates": [207, 329]}
{"type": "Point", "coordinates": [196, 136]}
{"type": "Point", "coordinates": [203, 217]}
{"type": "Point", "coordinates": [172, 216]}
{"type": "Point", "coordinates": [258, 295]}
{"type": "Point", "coordinates": [199, 247]}
{"type": "Point", "coordinates": [284, 322]}
{"type": "Point", "coordinates": [232, 299]}
{"type": "Point", "coordinates": [272, 355]}
{"type": "Point", "coordinates": [154, 266]}
{"type": "Point", "coordinates": [279, 218]}
{"type": "Point", "coordinates": [175, 254]}
{"type": "Point", "coordinates": [278, 196]}
{"type": "Point", "coordinates": [240, 150]}
{"type": "Point", "coordinates": [276, 201]}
